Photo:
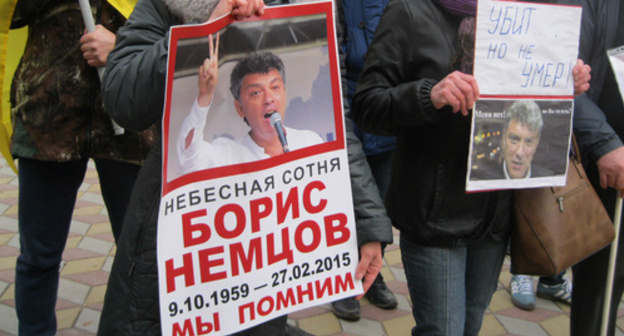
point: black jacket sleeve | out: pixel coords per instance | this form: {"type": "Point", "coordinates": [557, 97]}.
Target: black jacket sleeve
{"type": "Point", "coordinates": [394, 93]}
{"type": "Point", "coordinates": [594, 135]}
{"type": "Point", "coordinates": [134, 82]}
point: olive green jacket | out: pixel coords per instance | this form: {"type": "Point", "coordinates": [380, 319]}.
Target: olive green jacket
{"type": "Point", "coordinates": [57, 112]}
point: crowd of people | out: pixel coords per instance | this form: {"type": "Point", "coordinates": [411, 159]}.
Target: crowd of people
{"type": "Point", "coordinates": [406, 69]}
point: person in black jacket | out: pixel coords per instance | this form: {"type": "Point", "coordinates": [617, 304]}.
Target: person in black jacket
{"type": "Point", "coordinates": [452, 243]}
{"type": "Point", "coordinates": [138, 65]}
{"type": "Point", "coordinates": [418, 86]}
{"type": "Point", "coordinates": [599, 128]}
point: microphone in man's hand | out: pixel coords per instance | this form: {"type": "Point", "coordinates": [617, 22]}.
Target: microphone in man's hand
{"type": "Point", "coordinates": [276, 121]}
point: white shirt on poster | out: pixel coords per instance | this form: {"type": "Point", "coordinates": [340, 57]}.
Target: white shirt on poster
{"type": "Point", "coordinates": [200, 154]}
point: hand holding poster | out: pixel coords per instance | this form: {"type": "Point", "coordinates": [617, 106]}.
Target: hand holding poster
{"type": "Point", "coordinates": [249, 228]}
{"type": "Point", "coordinates": [522, 123]}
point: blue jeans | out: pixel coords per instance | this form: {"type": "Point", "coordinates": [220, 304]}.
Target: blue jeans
{"type": "Point", "coordinates": [47, 195]}
{"type": "Point", "coordinates": [451, 287]}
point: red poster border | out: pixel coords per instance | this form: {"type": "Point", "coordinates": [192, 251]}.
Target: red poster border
{"type": "Point", "coordinates": [184, 32]}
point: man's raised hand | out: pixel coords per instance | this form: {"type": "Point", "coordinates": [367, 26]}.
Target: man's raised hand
{"type": "Point", "coordinates": [208, 75]}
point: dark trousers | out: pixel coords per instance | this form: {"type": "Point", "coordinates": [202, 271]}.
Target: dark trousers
{"type": "Point", "coordinates": [590, 278]}
{"type": "Point", "coordinates": [47, 195]}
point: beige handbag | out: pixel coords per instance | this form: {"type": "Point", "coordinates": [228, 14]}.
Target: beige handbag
{"type": "Point", "coordinates": [553, 228]}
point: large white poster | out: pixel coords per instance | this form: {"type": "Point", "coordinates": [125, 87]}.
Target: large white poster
{"type": "Point", "coordinates": [256, 216]}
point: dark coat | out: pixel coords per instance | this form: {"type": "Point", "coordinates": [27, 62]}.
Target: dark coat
{"type": "Point", "coordinates": [137, 66]}
{"type": "Point", "coordinates": [426, 199]}
{"type": "Point", "coordinates": [361, 18]}
{"type": "Point", "coordinates": [57, 112]}
{"type": "Point", "coordinates": [598, 130]}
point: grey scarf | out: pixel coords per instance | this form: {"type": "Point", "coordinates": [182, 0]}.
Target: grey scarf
{"type": "Point", "coordinates": [192, 11]}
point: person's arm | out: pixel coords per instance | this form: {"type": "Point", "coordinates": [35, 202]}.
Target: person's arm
{"type": "Point", "coordinates": [392, 93]}
{"type": "Point", "coordinates": [192, 149]}
{"type": "Point", "coordinates": [595, 136]}
{"type": "Point", "coordinates": [611, 168]}
{"type": "Point", "coordinates": [597, 140]}
{"type": "Point", "coordinates": [373, 227]}
{"type": "Point", "coordinates": [208, 74]}
{"type": "Point", "coordinates": [134, 82]}
{"type": "Point", "coordinates": [133, 87]}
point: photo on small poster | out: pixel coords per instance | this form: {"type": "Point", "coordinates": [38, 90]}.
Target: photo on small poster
{"type": "Point", "coordinates": [235, 92]}
{"type": "Point", "coordinates": [520, 143]}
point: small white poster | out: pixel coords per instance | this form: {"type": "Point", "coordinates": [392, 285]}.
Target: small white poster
{"type": "Point", "coordinates": [522, 123]}
{"type": "Point", "coordinates": [616, 57]}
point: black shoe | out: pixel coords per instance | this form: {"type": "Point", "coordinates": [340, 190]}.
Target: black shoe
{"type": "Point", "coordinates": [291, 330]}
{"type": "Point", "coordinates": [379, 295]}
{"type": "Point", "coordinates": [347, 309]}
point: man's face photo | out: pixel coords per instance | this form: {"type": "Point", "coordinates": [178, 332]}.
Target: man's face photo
{"type": "Point", "coordinates": [261, 94]}
{"type": "Point", "coordinates": [519, 144]}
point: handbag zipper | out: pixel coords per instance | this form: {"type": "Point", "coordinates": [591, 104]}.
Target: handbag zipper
{"type": "Point", "coordinates": [570, 193]}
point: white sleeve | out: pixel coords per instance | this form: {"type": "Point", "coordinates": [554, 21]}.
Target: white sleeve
{"type": "Point", "coordinates": [191, 140]}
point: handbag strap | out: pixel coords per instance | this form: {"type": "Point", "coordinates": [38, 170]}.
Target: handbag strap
{"type": "Point", "coordinates": [574, 149]}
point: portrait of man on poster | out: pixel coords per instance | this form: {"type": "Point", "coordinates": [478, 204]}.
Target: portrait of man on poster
{"type": "Point", "coordinates": [521, 135]}
{"type": "Point", "coordinates": [258, 86]}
